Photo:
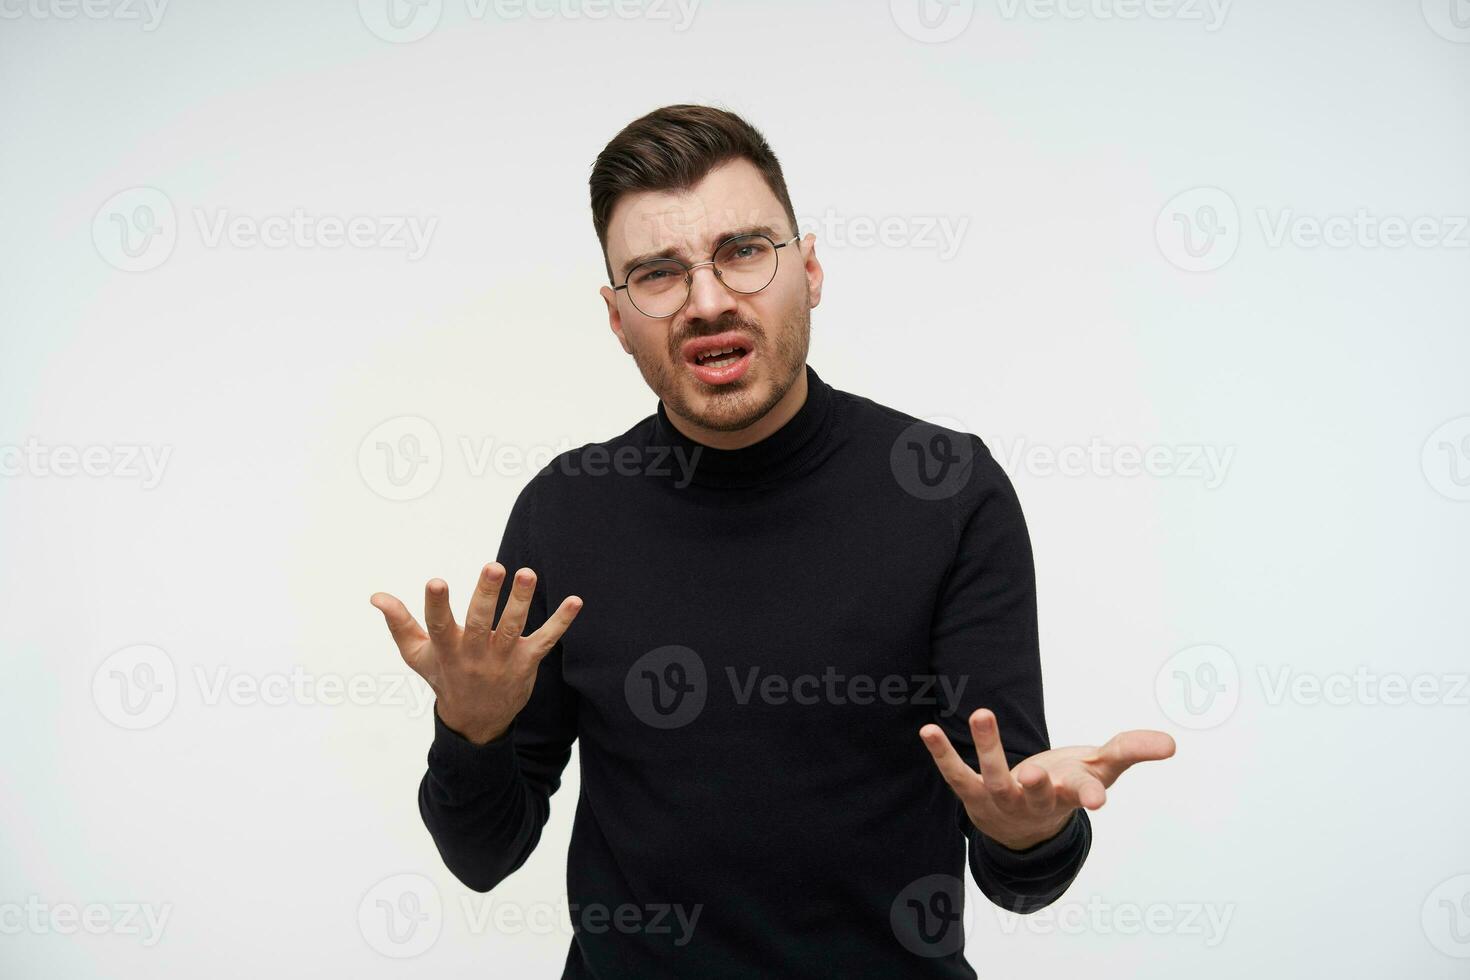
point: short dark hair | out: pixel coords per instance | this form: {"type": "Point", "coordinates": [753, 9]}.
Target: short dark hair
{"type": "Point", "coordinates": [671, 149]}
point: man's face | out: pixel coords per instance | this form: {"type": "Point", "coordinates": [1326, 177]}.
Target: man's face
{"type": "Point", "coordinates": [773, 325]}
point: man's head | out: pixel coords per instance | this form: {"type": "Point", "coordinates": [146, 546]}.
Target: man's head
{"type": "Point", "coordinates": [678, 183]}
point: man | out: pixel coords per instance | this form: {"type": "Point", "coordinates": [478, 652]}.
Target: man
{"type": "Point", "coordinates": [802, 620]}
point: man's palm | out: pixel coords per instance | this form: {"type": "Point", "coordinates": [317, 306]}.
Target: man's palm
{"type": "Point", "coordinates": [1031, 803]}
{"type": "Point", "coordinates": [484, 672]}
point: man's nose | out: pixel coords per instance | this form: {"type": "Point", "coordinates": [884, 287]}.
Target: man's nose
{"type": "Point", "coordinates": [709, 299]}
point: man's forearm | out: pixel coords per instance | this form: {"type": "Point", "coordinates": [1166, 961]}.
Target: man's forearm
{"type": "Point", "coordinates": [484, 816]}
{"type": "Point", "coordinates": [1025, 880]}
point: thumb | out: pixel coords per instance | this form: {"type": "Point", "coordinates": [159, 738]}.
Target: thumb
{"type": "Point", "coordinates": [1136, 745]}
{"type": "Point", "coordinates": [407, 633]}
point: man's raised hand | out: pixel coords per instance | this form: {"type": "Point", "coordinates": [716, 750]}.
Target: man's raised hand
{"type": "Point", "coordinates": [1031, 803]}
{"type": "Point", "coordinates": [481, 674]}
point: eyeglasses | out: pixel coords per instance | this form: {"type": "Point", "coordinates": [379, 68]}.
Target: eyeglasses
{"type": "Point", "coordinates": [745, 264]}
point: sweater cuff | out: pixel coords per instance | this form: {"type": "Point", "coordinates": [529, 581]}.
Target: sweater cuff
{"type": "Point", "coordinates": [468, 769]}
{"type": "Point", "coordinates": [1043, 859]}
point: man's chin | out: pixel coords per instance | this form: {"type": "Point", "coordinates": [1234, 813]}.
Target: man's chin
{"type": "Point", "coordinates": [721, 408]}
{"type": "Point", "coordinates": [715, 420]}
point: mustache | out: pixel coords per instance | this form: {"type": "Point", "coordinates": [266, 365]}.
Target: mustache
{"type": "Point", "coordinates": [751, 327]}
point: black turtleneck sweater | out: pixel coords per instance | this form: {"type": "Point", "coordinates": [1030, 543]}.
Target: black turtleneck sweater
{"type": "Point", "coordinates": [764, 633]}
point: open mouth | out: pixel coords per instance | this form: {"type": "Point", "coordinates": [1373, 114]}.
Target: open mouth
{"type": "Point", "coordinates": [721, 365]}
{"type": "Point", "coordinates": [723, 357]}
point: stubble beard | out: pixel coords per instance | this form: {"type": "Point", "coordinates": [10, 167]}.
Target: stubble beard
{"type": "Point", "coordinates": [734, 406]}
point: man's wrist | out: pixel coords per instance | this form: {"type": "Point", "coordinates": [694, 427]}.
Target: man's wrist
{"type": "Point", "coordinates": [477, 738]}
{"type": "Point", "coordinates": [1028, 842]}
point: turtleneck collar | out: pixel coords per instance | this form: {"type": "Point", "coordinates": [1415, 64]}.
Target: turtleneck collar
{"type": "Point", "coordinates": [777, 455]}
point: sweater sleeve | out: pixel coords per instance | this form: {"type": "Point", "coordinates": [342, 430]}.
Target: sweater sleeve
{"type": "Point", "coordinates": [985, 636]}
{"type": "Point", "coordinates": [485, 805]}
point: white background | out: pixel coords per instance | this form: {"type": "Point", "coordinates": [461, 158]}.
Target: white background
{"type": "Point", "coordinates": [1292, 834]}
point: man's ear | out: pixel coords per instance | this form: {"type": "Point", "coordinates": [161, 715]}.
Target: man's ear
{"type": "Point", "coordinates": [814, 273]}
{"type": "Point", "coordinates": [615, 318]}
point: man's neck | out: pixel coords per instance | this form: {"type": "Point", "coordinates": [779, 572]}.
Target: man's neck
{"type": "Point", "coordinates": [781, 413]}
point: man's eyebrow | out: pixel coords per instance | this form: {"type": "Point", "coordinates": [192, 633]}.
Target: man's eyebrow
{"type": "Point", "coordinates": [674, 253]}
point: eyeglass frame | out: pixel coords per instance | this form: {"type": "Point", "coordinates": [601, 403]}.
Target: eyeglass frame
{"type": "Point", "coordinates": [689, 271]}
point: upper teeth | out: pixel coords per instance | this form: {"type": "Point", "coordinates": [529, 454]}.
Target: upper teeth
{"type": "Point", "coordinates": [716, 353]}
